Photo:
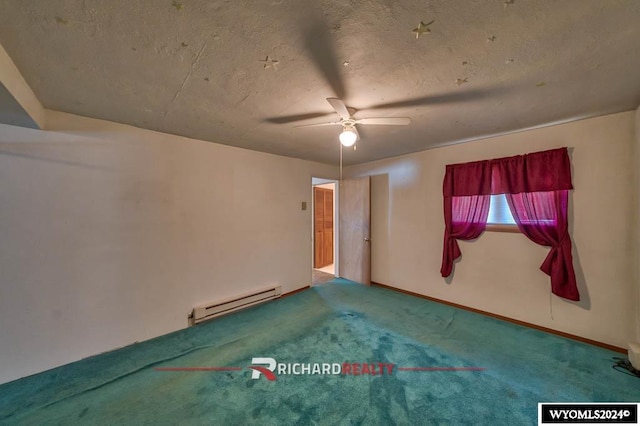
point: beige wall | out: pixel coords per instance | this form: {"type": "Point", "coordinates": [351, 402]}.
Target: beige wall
{"type": "Point", "coordinates": [637, 220]}
{"type": "Point", "coordinates": [111, 234]}
{"type": "Point", "coordinates": [499, 272]}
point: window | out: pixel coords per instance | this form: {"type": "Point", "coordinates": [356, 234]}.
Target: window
{"type": "Point", "coordinates": [500, 218]}
{"type": "Point", "coordinates": [499, 213]}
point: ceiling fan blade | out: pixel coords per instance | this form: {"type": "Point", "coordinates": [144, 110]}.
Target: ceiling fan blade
{"type": "Point", "coordinates": [340, 107]}
{"type": "Point", "coordinates": [319, 124]}
{"type": "Point", "coordinates": [298, 117]}
{"type": "Point", "coordinates": [388, 121]}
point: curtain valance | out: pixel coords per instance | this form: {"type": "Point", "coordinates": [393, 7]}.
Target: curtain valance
{"type": "Point", "coordinates": [536, 172]}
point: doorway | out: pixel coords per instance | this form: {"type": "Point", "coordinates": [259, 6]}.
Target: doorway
{"type": "Point", "coordinates": [324, 235]}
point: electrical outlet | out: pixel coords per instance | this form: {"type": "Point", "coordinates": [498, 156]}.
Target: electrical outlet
{"type": "Point", "coordinates": [304, 205]}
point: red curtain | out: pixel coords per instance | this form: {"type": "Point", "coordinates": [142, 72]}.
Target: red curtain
{"type": "Point", "coordinates": [542, 217]}
{"type": "Point", "coordinates": [466, 190]}
{"type": "Point", "coordinates": [539, 171]}
{"type": "Point", "coordinates": [536, 187]}
{"type": "Point", "coordinates": [465, 219]}
{"type": "Point", "coordinates": [467, 179]}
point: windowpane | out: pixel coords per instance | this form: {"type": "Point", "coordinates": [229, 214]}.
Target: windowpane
{"type": "Point", "coordinates": [499, 213]}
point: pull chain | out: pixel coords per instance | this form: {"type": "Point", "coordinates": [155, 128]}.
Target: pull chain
{"type": "Point", "coordinates": [341, 164]}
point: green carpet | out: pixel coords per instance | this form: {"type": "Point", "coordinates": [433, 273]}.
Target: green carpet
{"type": "Point", "coordinates": [337, 322]}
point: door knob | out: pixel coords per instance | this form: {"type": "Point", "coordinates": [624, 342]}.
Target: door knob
{"type": "Point", "coordinates": [366, 239]}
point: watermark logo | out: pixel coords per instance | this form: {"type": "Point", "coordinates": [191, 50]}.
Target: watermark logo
{"type": "Point", "coordinates": [587, 413]}
{"type": "Point", "coordinates": [271, 369]}
{"type": "Point", "coordinates": [265, 371]}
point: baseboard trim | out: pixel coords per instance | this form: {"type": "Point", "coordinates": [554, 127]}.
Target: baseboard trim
{"type": "Point", "coordinates": [503, 318]}
{"type": "Point", "coordinates": [291, 293]}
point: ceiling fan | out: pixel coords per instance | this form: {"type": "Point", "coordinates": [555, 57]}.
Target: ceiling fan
{"type": "Point", "coordinates": [320, 47]}
{"type": "Point", "coordinates": [349, 134]}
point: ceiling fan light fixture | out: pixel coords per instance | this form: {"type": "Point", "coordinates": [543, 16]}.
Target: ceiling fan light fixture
{"type": "Point", "coordinates": [348, 137]}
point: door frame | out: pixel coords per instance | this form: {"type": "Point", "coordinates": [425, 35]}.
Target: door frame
{"type": "Point", "coordinates": [336, 209]}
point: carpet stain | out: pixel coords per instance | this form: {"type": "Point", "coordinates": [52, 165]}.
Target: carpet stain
{"type": "Point", "coordinates": [257, 411]}
{"type": "Point", "coordinates": [83, 412]}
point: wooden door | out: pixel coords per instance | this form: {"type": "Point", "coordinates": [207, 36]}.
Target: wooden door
{"type": "Point", "coordinates": [323, 227]}
{"type": "Point", "coordinates": [355, 245]}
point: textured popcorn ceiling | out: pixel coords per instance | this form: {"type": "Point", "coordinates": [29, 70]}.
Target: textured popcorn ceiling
{"type": "Point", "coordinates": [237, 72]}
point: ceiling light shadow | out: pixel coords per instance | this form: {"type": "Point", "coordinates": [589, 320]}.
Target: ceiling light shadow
{"type": "Point", "coordinates": [297, 117]}
{"type": "Point", "coordinates": [321, 49]}
{"type": "Point", "coordinates": [446, 98]}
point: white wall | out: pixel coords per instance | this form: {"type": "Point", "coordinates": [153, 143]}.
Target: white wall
{"type": "Point", "coordinates": [110, 234]}
{"type": "Point", "coordinates": [499, 272]}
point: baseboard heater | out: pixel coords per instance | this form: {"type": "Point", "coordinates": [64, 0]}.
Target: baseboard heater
{"type": "Point", "coordinates": [226, 306]}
